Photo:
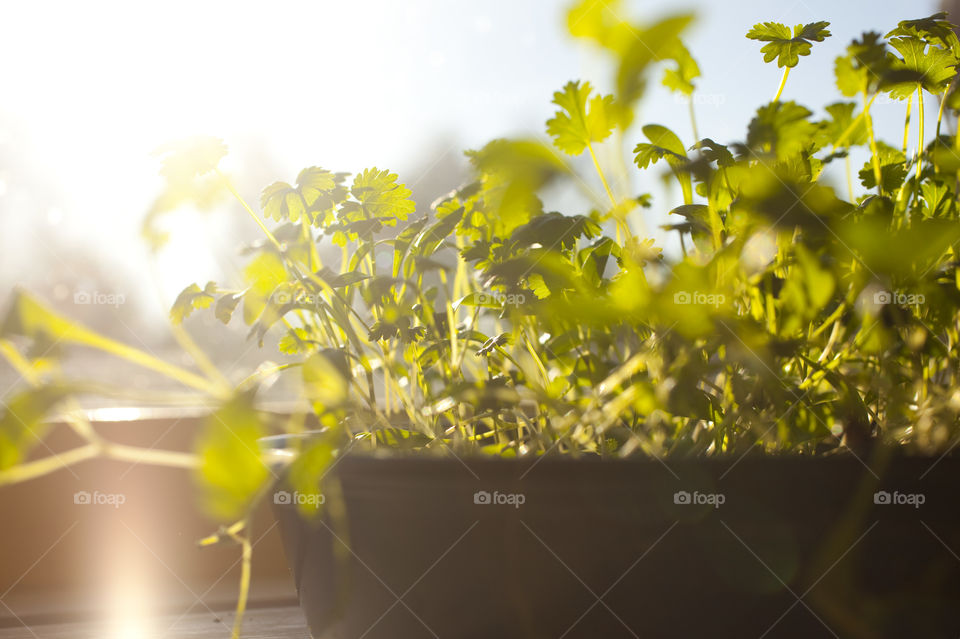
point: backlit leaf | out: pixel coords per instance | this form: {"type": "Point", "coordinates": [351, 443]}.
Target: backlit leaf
{"type": "Point", "coordinates": [22, 422]}
{"type": "Point", "coordinates": [231, 471]}
{"type": "Point", "coordinates": [783, 47]}
{"type": "Point", "coordinates": [381, 196]}
{"type": "Point", "coordinates": [581, 119]}
{"type": "Point", "coordinates": [191, 298]}
{"type": "Point", "coordinates": [190, 157]}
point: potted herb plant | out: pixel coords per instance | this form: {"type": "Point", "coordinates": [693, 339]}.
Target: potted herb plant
{"type": "Point", "coordinates": [533, 423]}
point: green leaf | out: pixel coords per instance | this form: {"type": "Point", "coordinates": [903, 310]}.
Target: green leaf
{"type": "Point", "coordinates": [865, 65]}
{"type": "Point", "coordinates": [510, 173]}
{"type": "Point", "coordinates": [647, 45]}
{"type": "Point", "coordinates": [840, 123]}
{"type": "Point", "coordinates": [226, 305]}
{"type": "Point", "coordinates": [934, 29]}
{"type": "Point", "coordinates": [326, 379]}
{"type": "Point", "coordinates": [263, 274]}
{"type": "Point", "coordinates": [783, 128]}
{"type": "Point", "coordinates": [314, 182]}
{"type": "Point", "coordinates": [280, 202]}
{"type": "Point", "coordinates": [787, 202]}
{"type": "Point", "coordinates": [308, 468]}
{"type": "Point", "coordinates": [341, 280]}
{"type": "Point", "coordinates": [191, 298]}
{"type": "Point", "coordinates": [698, 218]}
{"type": "Point", "coordinates": [296, 340]}
{"type": "Point", "coordinates": [931, 67]}
{"type": "Point", "coordinates": [314, 192]}
{"type": "Point", "coordinates": [681, 77]}
{"type": "Point", "coordinates": [714, 152]}
{"type": "Point", "coordinates": [231, 472]}
{"type": "Point", "coordinates": [900, 253]}
{"type": "Point", "coordinates": [809, 288]}
{"type": "Point", "coordinates": [938, 198]}
{"type": "Point", "coordinates": [555, 230]}
{"type": "Point", "coordinates": [578, 124]}
{"type": "Point", "coordinates": [186, 159]}
{"type": "Point", "coordinates": [601, 22]}
{"type": "Point", "coordinates": [490, 346]}
{"type": "Point", "coordinates": [784, 48]}
{"type": "Point", "coordinates": [22, 423]}
{"type": "Point", "coordinates": [893, 170]}
{"type": "Point", "coordinates": [593, 260]}
{"type": "Point", "coordinates": [381, 196]}
{"type": "Point", "coordinates": [483, 300]}
{"type": "Point", "coordinates": [664, 144]}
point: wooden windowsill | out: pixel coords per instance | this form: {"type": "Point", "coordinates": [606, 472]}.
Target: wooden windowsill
{"type": "Point", "coordinates": [286, 622]}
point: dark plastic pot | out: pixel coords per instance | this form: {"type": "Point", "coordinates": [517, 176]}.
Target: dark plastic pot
{"type": "Point", "coordinates": [756, 547]}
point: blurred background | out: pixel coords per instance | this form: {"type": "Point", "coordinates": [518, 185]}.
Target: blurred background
{"type": "Point", "coordinates": [91, 89]}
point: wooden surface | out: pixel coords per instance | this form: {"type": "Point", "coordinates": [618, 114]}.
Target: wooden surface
{"type": "Point", "coordinates": [264, 623]}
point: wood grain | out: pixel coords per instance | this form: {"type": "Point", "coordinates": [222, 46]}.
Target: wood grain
{"type": "Point", "coordinates": [265, 623]}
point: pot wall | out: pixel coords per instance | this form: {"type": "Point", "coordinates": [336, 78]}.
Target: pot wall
{"type": "Point", "coordinates": [721, 548]}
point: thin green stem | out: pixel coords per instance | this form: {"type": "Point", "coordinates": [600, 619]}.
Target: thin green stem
{"type": "Point", "coordinates": [906, 125]}
{"type": "Point", "coordinates": [245, 564]}
{"type": "Point", "coordinates": [849, 172]}
{"type": "Point", "coordinates": [243, 203]}
{"type": "Point", "coordinates": [138, 455]}
{"type": "Point", "coordinates": [943, 102]}
{"type": "Point", "coordinates": [47, 465]}
{"type": "Point", "coordinates": [148, 361]}
{"type": "Point", "coordinates": [874, 154]}
{"type": "Point", "coordinates": [783, 83]}
{"type": "Point", "coordinates": [91, 450]}
{"type": "Point", "coordinates": [920, 139]}
{"type": "Point", "coordinates": [606, 186]}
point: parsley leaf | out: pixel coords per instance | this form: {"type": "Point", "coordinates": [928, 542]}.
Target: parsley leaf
{"type": "Point", "coordinates": [191, 298]}
{"type": "Point", "coordinates": [931, 66]}
{"type": "Point", "coordinates": [934, 29]}
{"type": "Point", "coordinates": [576, 124]}
{"type": "Point", "coordinates": [681, 79]}
{"type": "Point", "coordinates": [381, 196]}
{"type": "Point", "coordinates": [280, 201]}
{"type": "Point", "coordinates": [784, 48]}
{"type": "Point", "coordinates": [188, 158]}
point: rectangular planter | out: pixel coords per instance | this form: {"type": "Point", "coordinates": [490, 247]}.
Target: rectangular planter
{"type": "Point", "coordinates": [556, 547]}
